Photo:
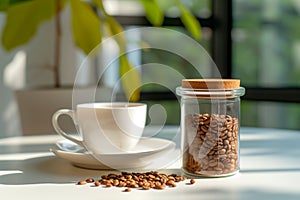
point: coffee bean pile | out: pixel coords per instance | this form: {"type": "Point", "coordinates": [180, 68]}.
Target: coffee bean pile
{"type": "Point", "coordinates": [211, 144]}
{"type": "Point", "coordinates": [144, 181]}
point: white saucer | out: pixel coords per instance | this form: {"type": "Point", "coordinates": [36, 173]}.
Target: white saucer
{"type": "Point", "coordinates": [147, 151]}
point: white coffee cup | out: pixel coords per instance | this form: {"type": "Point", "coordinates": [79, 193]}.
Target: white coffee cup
{"type": "Point", "coordinates": [105, 127]}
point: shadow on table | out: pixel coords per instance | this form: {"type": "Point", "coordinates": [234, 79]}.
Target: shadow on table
{"type": "Point", "coordinates": [271, 142]}
{"type": "Point", "coordinates": [245, 194]}
{"type": "Point", "coordinates": [269, 170]}
{"type": "Point", "coordinates": [47, 169]}
{"type": "Point", "coordinates": [50, 169]}
{"type": "Point", "coordinates": [287, 148]}
{"type": "Point", "coordinates": [25, 148]}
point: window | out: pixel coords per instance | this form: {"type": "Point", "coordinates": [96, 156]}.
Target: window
{"type": "Point", "coordinates": [266, 53]}
{"type": "Point", "coordinates": [255, 41]}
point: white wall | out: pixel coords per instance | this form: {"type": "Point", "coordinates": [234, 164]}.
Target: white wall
{"type": "Point", "coordinates": [34, 69]}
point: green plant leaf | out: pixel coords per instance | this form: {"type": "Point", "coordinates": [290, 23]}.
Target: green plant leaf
{"type": "Point", "coordinates": [130, 79]}
{"type": "Point", "coordinates": [85, 25]}
{"type": "Point", "coordinates": [4, 4]}
{"type": "Point", "coordinates": [153, 12]}
{"type": "Point", "coordinates": [23, 19]}
{"type": "Point", "coordinates": [113, 26]}
{"type": "Point", "coordinates": [116, 29]}
{"type": "Point", "coordinates": [190, 22]}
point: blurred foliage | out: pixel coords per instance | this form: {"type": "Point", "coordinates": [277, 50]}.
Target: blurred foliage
{"type": "Point", "coordinates": [23, 18]}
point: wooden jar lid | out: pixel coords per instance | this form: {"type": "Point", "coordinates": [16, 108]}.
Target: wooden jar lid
{"type": "Point", "coordinates": [223, 84]}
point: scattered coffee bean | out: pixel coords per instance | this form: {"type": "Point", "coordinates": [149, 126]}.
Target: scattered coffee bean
{"type": "Point", "coordinates": [146, 187]}
{"type": "Point", "coordinates": [81, 182]}
{"type": "Point", "coordinates": [160, 186]}
{"type": "Point", "coordinates": [192, 181]}
{"type": "Point", "coordinates": [127, 190]}
{"type": "Point", "coordinates": [144, 181]}
{"type": "Point", "coordinates": [171, 183]}
{"type": "Point", "coordinates": [97, 183]}
{"type": "Point", "coordinates": [89, 180]}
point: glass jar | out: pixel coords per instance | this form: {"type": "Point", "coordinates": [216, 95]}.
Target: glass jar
{"type": "Point", "coordinates": [210, 120]}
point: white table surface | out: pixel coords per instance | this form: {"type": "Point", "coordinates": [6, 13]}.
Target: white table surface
{"type": "Point", "coordinates": [270, 169]}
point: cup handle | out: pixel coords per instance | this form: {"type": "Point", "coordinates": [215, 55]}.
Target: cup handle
{"type": "Point", "coordinates": [57, 128]}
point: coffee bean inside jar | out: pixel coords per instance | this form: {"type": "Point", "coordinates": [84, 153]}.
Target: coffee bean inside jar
{"type": "Point", "coordinates": [210, 126]}
{"type": "Point", "coordinates": [214, 142]}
